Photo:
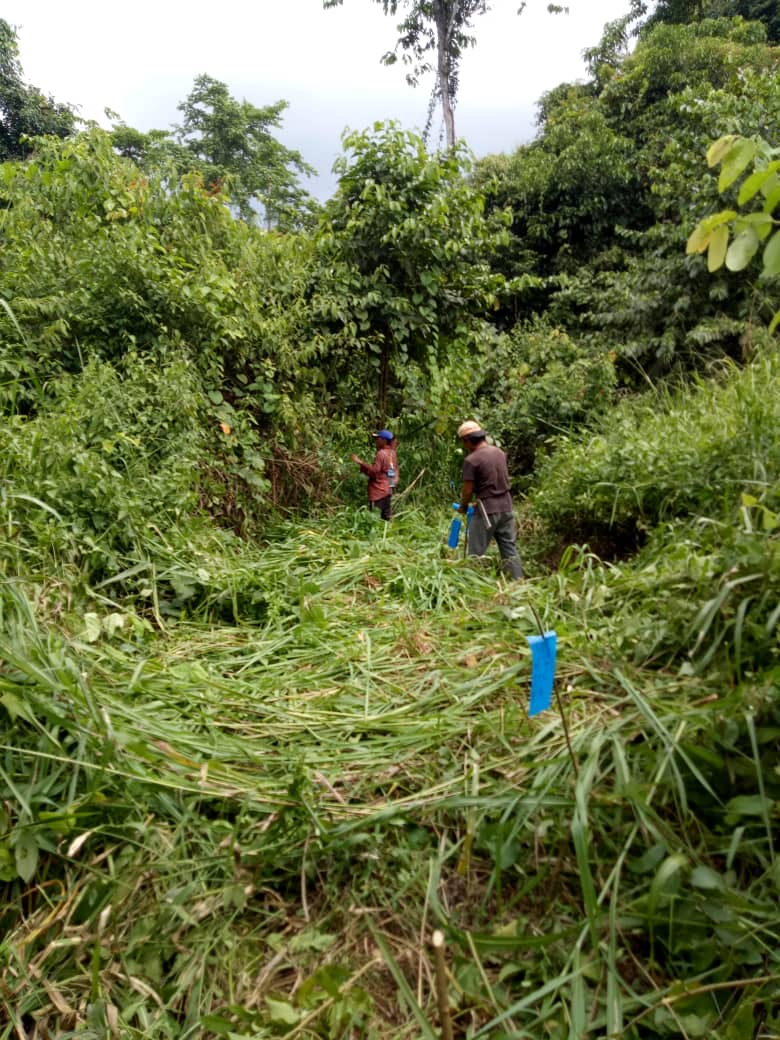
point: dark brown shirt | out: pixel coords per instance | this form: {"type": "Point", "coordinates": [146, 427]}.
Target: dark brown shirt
{"type": "Point", "coordinates": [486, 467]}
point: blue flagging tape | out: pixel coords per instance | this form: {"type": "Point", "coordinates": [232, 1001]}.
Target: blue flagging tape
{"type": "Point", "coordinates": [543, 653]}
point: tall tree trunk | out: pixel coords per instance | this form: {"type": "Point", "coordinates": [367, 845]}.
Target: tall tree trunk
{"type": "Point", "coordinates": [384, 376]}
{"type": "Point", "coordinates": [444, 15]}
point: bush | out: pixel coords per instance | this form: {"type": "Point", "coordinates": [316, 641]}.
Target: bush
{"type": "Point", "coordinates": [112, 457]}
{"type": "Point", "coordinates": [666, 456]}
{"type": "Point", "coordinates": [537, 383]}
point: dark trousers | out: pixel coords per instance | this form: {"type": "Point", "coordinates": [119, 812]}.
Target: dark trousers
{"type": "Point", "coordinates": [502, 527]}
{"type": "Point", "coordinates": [383, 505]}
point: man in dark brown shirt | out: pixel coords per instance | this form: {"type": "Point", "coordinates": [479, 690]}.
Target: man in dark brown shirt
{"type": "Point", "coordinates": [486, 478]}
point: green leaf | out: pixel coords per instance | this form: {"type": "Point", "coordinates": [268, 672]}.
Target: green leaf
{"type": "Point", "coordinates": [217, 1024]}
{"type": "Point", "coordinates": [716, 253]}
{"type": "Point", "coordinates": [281, 1012]}
{"type": "Point", "coordinates": [702, 233]}
{"type": "Point", "coordinates": [16, 708]}
{"type": "Point", "coordinates": [26, 854]}
{"type": "Point", "coordinates": [699, 238]}
{"type": "Point", "coordinates": [706, 878]}
{"type": "Point", "coordinates": [649, 860]}
{"type": "Point", "coordinates": [718, 149]}
{"type": "Point", "coordinates": [772, 200]}
{"type": "Point", "coordinates": [735, 162]}
{"type": "Point", "coordinates": [753, 184]}
{"type": "Point", "coordinates": [7, 867]}
{"type": "Point", "coordinates": [114, 622]}
{"type": "Point", "coordinates": [742, 250]}
{"type": "Point", "coordinates": [748, 805]}
{"type": "Point", "coordinates": [665, 881]}
{"type": "Point", "coordinates": [92, 628]}
{"type": "Point", "coordinates": [742, 1022]}
{"type": "Point", "coordinates": [772, 256]}
{"type": "Point", "coordinates": [761, 223]}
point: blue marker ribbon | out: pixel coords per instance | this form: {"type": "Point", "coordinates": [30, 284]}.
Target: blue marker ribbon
{"type": "Point", "coordinates": [543, 653]}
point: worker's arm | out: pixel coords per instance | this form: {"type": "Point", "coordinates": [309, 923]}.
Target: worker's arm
{"type": "Point", "coordinates": [375, 468]}
{"type": "Point", "coordinates": [465, 495]}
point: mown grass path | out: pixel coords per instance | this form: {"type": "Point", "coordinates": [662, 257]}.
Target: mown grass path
{"type": "Point", "coordinates": [251, 828]}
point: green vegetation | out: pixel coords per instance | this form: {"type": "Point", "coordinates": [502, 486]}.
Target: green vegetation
{"type": "Point", "coordinates": [256, 744]}
{"type": "Point", "coordinates": [24, 111]}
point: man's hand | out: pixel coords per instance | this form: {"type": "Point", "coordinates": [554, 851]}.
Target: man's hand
{"type": "Point", "coordinates": [465, 495]}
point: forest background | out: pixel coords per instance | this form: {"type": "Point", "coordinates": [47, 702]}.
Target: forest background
{"type": "Point", "coordinates": [256, 744]}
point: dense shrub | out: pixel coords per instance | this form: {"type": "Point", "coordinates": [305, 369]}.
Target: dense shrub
{"type": "Point", "coordinates": [537, 383]}
{"type": "Point", "coordinates": [111, 459]}
{"type": "Point", "coordinates": [670, 455]}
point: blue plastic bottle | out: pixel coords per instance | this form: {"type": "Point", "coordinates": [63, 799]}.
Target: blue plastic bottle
{"type": "Point", "coordinates": [457, 523]}
{"type": "Point", "coordinates": [455, 526]}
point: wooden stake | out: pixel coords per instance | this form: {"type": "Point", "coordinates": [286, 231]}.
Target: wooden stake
{"type": "Point", "coordinates": [437, 940]}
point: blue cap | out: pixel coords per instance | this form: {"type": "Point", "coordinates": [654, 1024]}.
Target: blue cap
{"type": "Point", "coordinates": [384, 434]}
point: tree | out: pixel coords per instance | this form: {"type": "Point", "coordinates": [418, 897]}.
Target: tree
{"type": "Point", "coordinates": [230, 144]}
{"type": "Point", "coordinates": [683, 11]}
{"type": "Point", "coordinates": [433, 25]}
{"type": "Point", "coordinates": [228, 139]}
{"type": "Point", "coordinates": [405, 251]}
{"type": "Point", "coordinates": [24, 110]}
{"type": "Point", "coordinates": [440, 26]}
{"type": "Point", "coordinates": [604, 198]}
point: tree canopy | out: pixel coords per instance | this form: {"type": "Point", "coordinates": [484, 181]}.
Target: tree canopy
{"type": "Point", "coordinates": [231, 145]}
{"type": "Point", "coordinates": [25, 111]}
{"type": "Point", "coordinates": [405, 248]}
{"type": "Point", "coordinates": [680, 12]}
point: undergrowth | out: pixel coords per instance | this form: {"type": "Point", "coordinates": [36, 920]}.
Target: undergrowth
{"type": "Point", "coordinates": [245, 780]}
{"type": "Point", "coordinates": [250, 825]}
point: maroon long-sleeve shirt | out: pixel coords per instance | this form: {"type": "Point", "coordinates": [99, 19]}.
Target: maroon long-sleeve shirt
{"type": "Point", "coordinates": [378, 484]}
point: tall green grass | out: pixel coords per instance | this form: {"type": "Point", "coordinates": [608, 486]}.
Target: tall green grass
{"type": "Point", "coordinates": [251, 829]}
{"type": "Point", "coordinates": [693, 452]}
{"type": "Point", "coordinates": [243, 783]}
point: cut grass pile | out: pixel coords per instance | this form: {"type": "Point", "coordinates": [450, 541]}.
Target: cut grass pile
{"type": "Point", "coordinates": [248, 820]}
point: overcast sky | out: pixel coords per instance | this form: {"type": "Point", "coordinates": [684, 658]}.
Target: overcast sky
{"type": "Point", "coordinates": [140, 59]}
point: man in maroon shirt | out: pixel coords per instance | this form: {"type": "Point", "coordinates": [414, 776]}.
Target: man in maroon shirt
{"type": "Point", "coordinates": [379, 490]}
{"type": "Point", "coordinates": [486, 478]}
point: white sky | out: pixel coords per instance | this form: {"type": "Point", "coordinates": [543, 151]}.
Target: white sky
{"type": "Point", "coordinates": [140, 59]}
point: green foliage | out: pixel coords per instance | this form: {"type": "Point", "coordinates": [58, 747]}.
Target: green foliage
{"type": "Point", "coordinates": [604, 213]}
{"type": "Point", "coordinates": [215, 811]}
{"type": "Point", "coordinates": [225, 140]}
{"type": "Point", "coordinates": [666, 456]}
{"type": "Point", "coordinates": [535, 384]}
{"type": "Point", "coordinates": [403, 251]}
{"type": "Point", "coordinates": [681, 11]}
{"type": "Point", "coordinates": [130, 263]}
{"type": "Point", "coordinates": [752, 229]}
{"type": "Point", "coordinates": [229, 144]}
{"type": "Point", "coordinates": [24, 111]}
{"type": "Point", "coordinates": [703, 596]}
{"type": "Point", "coordinates": [111, 458]}
{"type": "Point", "coordinates": [568, 190]}
{"type": "Point", "coordinates": [672, 58]}
{"type": "Point", "coordinates": [246, 770]}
